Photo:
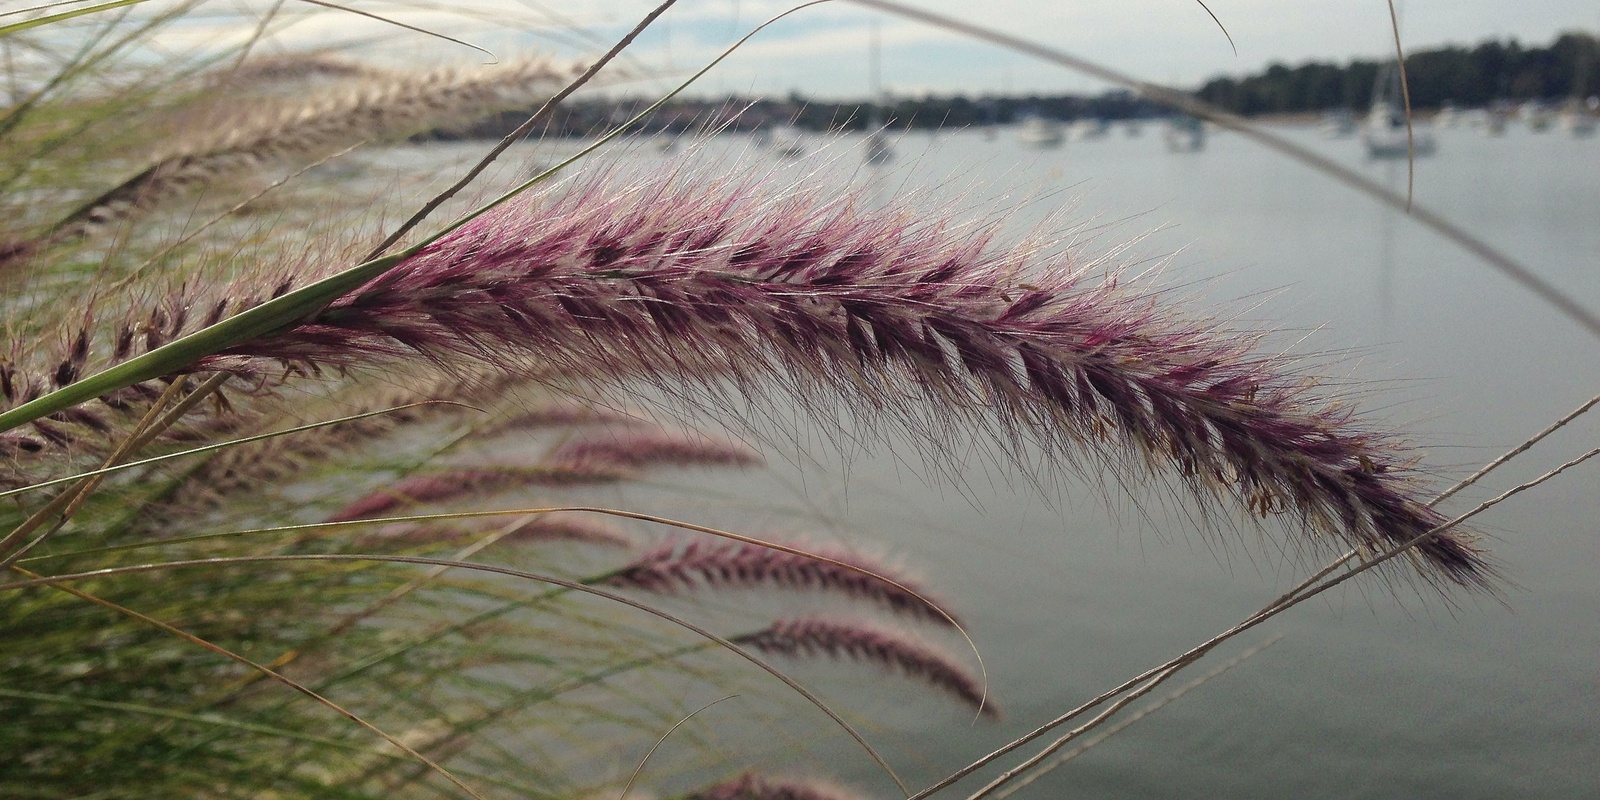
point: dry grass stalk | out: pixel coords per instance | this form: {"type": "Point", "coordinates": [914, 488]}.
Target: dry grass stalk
{"type": "Point", "coordinates": [250, 467]}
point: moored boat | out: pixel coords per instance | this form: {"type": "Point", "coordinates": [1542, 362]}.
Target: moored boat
{"type": "Point", "coordinates": [1036, 131]}
{"type": "Point", "coordinates": [1185, 134]}
{"type": "Point", "coordinates": [1386, 134]}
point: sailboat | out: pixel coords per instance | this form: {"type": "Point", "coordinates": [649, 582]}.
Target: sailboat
{"type": "Point", "coordinates": [1185, 134]}
{"type": "Point", "coordinates": [1537, 116]}
{"type": "Point", "coordinates": [877, 149]}
{"type": "Point", "coordinates": [1036, 131]}
{"type": "Point", "coordinates": [1339, 124]}
{"type": "Point", "coordinates": [1495, 118]}
{"type": "Point", "coordinates": [1386, 134]}
{"type": "Point", "coordinates": [1579, 116]}
{"type": "Point", "coordinates": [787, 142]}
{"type": "Point", "coordinates": [1087, 128]}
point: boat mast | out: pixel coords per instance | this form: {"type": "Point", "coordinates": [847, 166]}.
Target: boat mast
{"type": "Point", "coordinates": [875, 61]}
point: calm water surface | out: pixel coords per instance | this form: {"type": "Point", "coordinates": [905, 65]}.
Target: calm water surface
{"type": "Point", "coordinates": [1069, 588]}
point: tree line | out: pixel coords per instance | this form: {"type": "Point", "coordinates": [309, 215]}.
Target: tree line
{"type": "Point", "coordinates": [588, 117]}
{"type": "Point", "coordinates": [1477, 76]}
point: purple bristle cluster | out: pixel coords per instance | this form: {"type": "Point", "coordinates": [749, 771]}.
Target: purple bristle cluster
{"type": "Point", "coordinates": [890, 649]}
{"type": "Point", "coordinates": [672, 568]}
{"type": "Point", "coordinates": [704, 282]}
{"type": "Point", "coordinates": [630, 448]}
{"type": "Point", "coordinates": [755, 786]}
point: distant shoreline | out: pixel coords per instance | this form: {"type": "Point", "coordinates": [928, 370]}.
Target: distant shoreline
{"type": "Point", "coordinates": [1488, 74]}
{"type": "Point", "coordinates": [585, 118]}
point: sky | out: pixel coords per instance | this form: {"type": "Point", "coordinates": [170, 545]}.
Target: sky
{"type": "Point", "coordinates": [822, 51]}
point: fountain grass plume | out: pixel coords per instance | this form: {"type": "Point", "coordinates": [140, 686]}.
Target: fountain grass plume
{"type": "Point", "coordinates": [299, 66]}
{"type": "Point", "coordinates": [892, 649]}
{"type": "Point", "coordinates": [678, 567]}
{"type": "Point", "coordinates": [758, 786]}
{"type": "Point", "coordinates": [382, 105]}
{"type": "Point", "coordinates": [616, 456]}
{"type": "Point", "coordinates": [250, 467]}
{"type": "Point", "coordinates": [542, 528]}
{"type": "Point", "coordinates": [637, 447]}
{"type": "Point", "coordinates": [453, 484]}
{"type": "Point", "coordinates": [698, 282]}
{"type": "Point", "coordinates": [563, 414]}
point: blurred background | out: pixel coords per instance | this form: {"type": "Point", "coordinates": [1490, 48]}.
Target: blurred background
{"type": "Point", "coordinates": [1071, 582]}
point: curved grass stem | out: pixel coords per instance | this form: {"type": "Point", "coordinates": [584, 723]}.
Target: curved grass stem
{"type": "Point", "coordinates": [639, 770]}
{"type": "Point", "coordinates": [1060, 759]}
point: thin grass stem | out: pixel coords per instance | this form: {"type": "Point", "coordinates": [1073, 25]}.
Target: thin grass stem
{"type": "Point", "coordinates": [933, 607]}
{"type": "Point", "coordinates": [63, 16]}
{"type": "Point", "coordinates": [211, 720]}
{"type": "Point", "coordinates": [394, 596]}
{"type": "Point", "coordinates": [398, 24]}
{"type": "Point", "coordinates": [1161, 674]}
{"type": "Point", "coordinates": [1405, 99]}
{"type": "Point", "coordinates": [1518, 450]}
{"type": "Point", "coordinates": [1128, 721]}
{"type": "Point", "coordinates": [639, 770]}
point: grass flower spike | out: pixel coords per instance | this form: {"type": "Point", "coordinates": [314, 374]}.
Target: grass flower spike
{"type": "Point", "coordinates": [694, 282]}
{"type": "Point", "coordinates": [756, 786]}
{"type": "Point", "coordinates": [890, 649]}
{"type": "Point", "coordinates": [674, 567]}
